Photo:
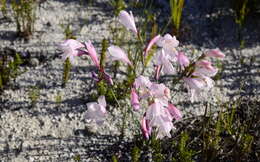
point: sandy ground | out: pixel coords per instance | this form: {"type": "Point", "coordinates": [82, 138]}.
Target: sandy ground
{"type": "Point", "coordinates": [58, 131]}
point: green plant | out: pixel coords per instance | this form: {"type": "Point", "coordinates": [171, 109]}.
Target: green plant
{"type": "Point", "coordinates": [58, 98]}
{"type": "Point", "coordinates": [25, 16]}
{"type": "Point", "coordinates": [221, 67]}
{"type": "Point", "coordinates": [114, 158]}
{"type": "Point", "coordinates": [67, 31]}
{"type": "Point", "coordinates": [67, 64]}
{"type": "Point", "coordinates": [135, 154]}
{"type": "Point", "coordinates": [66, 72]}
{"type": "Point", "coordinates": [77, 158]}
{"type": "Point", "coordinates": [184, 153]}
{"type": "Point", "coordinates": [9, 69]}
{"type": "Point", "coordinates": [34, 95]}
{"type": "Point", "coordinates": [176, 13]}
{"type": "Point", "coordinates": [3, 4]}
{"type": "Point", "coordinates": [118, 5]}
{"type": "Point", "coordinates": [241, 11]}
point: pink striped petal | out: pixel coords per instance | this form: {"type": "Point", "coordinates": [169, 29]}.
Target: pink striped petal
{"type": "Point", "coordinates": [92, 53]}
{"type": "Point", "coordinates": [117, 53]}
{"type": "Point", "coordinates": [127, 20]}
{"type": "Point", "coordinates": [71, 49]}
{"type": "Point", "coordinates": [215, 53]}
{"type": "Point", "coordinates": [176, 113]}
{"type": "Point", "coordinates": [146, 130]}
{"type": "Point", "coordinates": [134, 100]}
{"type": "Point", "coordinates": [151, 43]}
{"type": "Point", "coordinates": [183, 60]}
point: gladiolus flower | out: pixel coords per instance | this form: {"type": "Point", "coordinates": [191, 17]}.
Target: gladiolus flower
{"type": "Point", "coordinates": [97, 111]}
{"type": "Point", "coordinates": [71, 49]}
{"type": "Point", "coordinates": [117, 53]}
{"type": "Point", "coordinates": [182, 60]}
{"type": "Point", "coordinates": [159, 91]}
{"type": "Point", "coordinates": [160, 118]}
{"type": "Point", "coordinates": [204, 67]}
{"type": "Point", "coordinates": [92, 53]}
{"type": "Point", "coordinates": [215, 53]}
{"type": "Point", "coordinates": [151, 43]}
{"type": "Point", "coordinates": [142, 81]}
{"type": "Point", "coordinates": [176, 114]}
{"type": "Point", "coordinates": [158, 69]}
{"type": "Point", "coordinates": [146, 129]}
{"type": "Point", "coordinates": [198, 84]}
{"type": "Point", "coordinates": [134, 100]}
{"type": "Point", "coordinates": [162, 58]}
{"type": "Point", "coordinates": [127, 20]}
{"type": "Point", "coordinates": [168, 43]}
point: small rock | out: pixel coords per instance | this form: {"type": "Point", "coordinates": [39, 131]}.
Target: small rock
{"type": "Point", "coordinates": [34, 62]}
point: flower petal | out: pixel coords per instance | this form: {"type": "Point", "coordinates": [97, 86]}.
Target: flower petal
{"type": "Point", "coordinates": [70, 49]}
{"type": "Point", "coordinates": [183, 60]}
{"type": "Point", "coordinates": [92, 53]}
{"type": "Point", "coordinates": [151, 43]}
{"type": "Point", "coordinates": [135, 100]}
{"type": "Point", "coordinates": [127, 20]}
{"type": "Point", "coordinates": [117, 53]}
{"type": "Point", "coordinates": [215, 53]}
{"type": "Point", "coordinates": [174, 112]}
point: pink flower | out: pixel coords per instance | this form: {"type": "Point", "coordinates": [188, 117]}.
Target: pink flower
{"type": "Point", "coordinates": [182, 60]}
{"type": "Point", "coordinates": [142, 81]}
{"type": "Point", "coordinates": [197, 85]}
{"type": "Point", "coordinates": [97, 111]}
{"type": "Point", "coordinates": [117, 53]}
{"type": "Point", "coordinates": [146, 129]}
{"type": "Point", "coordinates": [160, 119]}
{"type": "Point", "coordinates": [164, 59]}
{"type": "Point", "coordinates": [203, 63]}
{"type": "Point", "coordinates": [215, 53]}
{"type": "Point", "coordinates": [159, 91]}
{"type": "Point", "coordinates": [108, 78]}
{"type": "Point", "coordinates": [151, 43]}
{"type": "Point", "coordinates": [71, 49]}
{"type": "Point", "coordinates": [205, 69]}
{"type": "Point", "coordinates": [168, 43]}
{"type": "Point", "coordinates": [176, 114]}
{"type": "Point", "coordinates": [135, 100]}
{"type": "Point", "coordinates": [148, 89]}
{"type": "Point", "coordinates": [127, 20]}
{"type": "Point", "coordinates": [157, 116]}
{"type": "Point", "coordinates": [158, 69]}
{"type": "Point", "coordinates": [92, 53]}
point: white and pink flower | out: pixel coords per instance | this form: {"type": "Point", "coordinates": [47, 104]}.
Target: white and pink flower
{"type": "Point", "coordinates": [183, 60]}
{"type": "Point", "coordinates": [71, 49]}
{"type": "Point", "coordinates": [135, 100]}
{"type": "Point", "coordinates": [116, 53]}
{"type": "Point", "coordinates": [92, 53]}
{"type": "Point", "coordinates": [198, 85]}
{"type": "Point", "coordinates": [151, 43]}
{"type": "Point", "coordinates": [159, 114]}
{"type": "Point", "coordinates": [169, 44]}
{"type": "Point", "coordinates": [215, 53]}
{"type": "Point", "coordinates": [97, 110]}
{"type": "Point", "coordinates": [127, 20]}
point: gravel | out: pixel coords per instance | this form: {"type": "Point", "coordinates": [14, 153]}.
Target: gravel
{"type": "Point", "coordinates": [53, 130]}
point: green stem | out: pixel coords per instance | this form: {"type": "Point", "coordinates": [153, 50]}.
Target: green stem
{"type": "Point", "coordinates": [124, 115]}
